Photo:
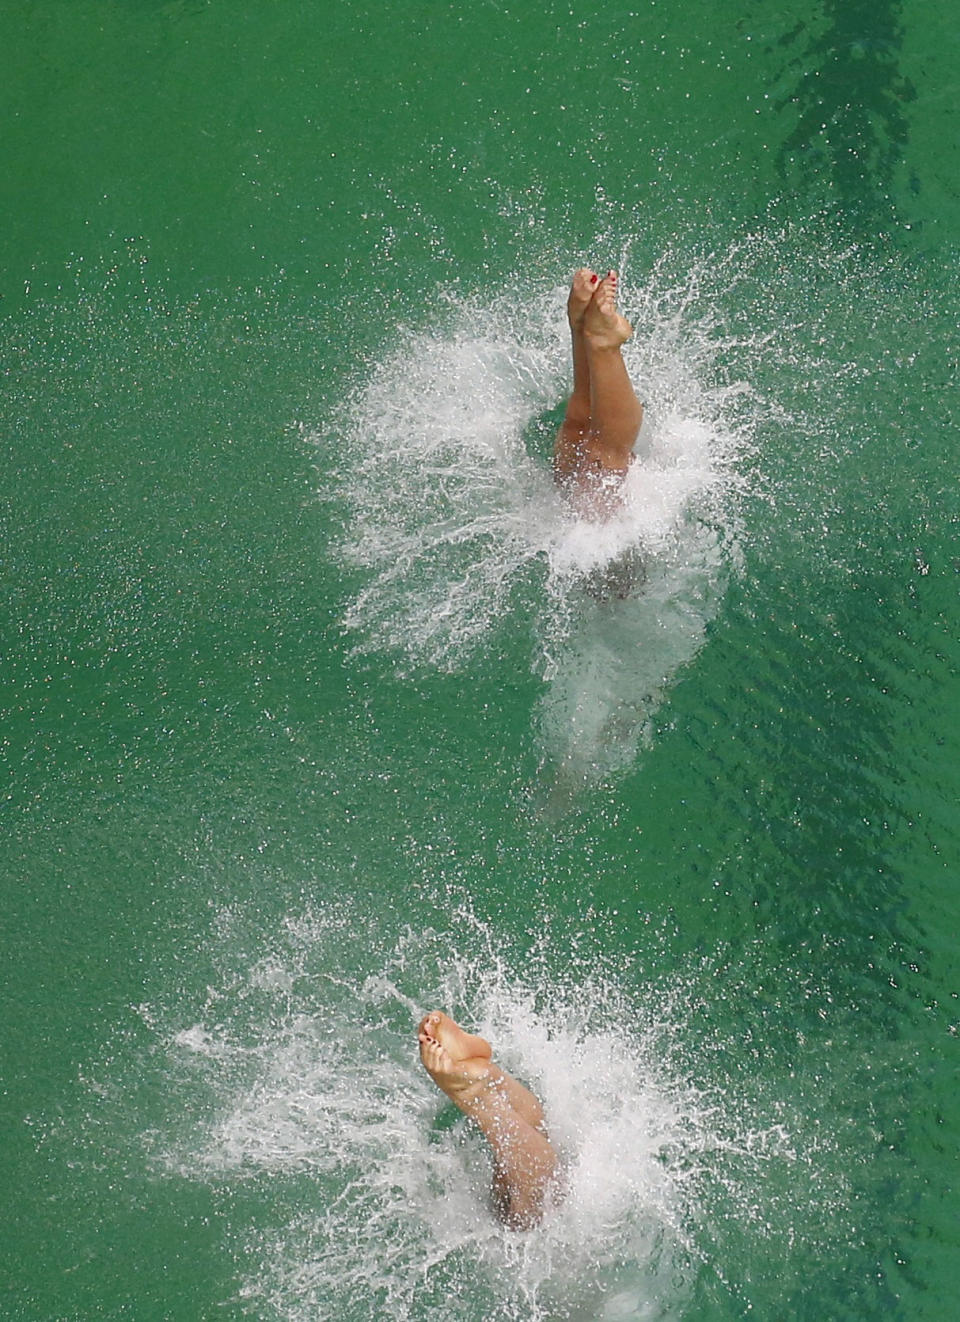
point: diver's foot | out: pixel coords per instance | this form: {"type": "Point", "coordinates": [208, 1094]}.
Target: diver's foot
{"type": "Point", "coordinates": [582, 290]}
{"type": "Point", "coordinates": [603, 326]}
{"type": "Point", "coordinates": [458, 1044]}
{"type": "Point", "coordinates": [466, 1082]}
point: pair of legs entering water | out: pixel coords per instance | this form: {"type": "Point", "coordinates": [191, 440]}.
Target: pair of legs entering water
{"type": "Point", "coordinates": [594, 447]}
{"type": "Point", "coordinates": [508, 1115]}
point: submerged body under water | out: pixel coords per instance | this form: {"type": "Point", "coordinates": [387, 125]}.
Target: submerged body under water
{"type": "Point", "coordinates": [721, 1056]}
{"type": "Point", "coordinates": [284, 770]}
{"type": "Point", "coordinates": [461, 533]}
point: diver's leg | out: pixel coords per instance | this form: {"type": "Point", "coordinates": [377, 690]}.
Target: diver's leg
{"type": "Point", "coordinates": [524, 1160]}
{"type": "Point", "coordinates": [615, 411]}
{"type": "Point", "coordinates": [462, 1046]}
{"type": "Point", "coordinates": [576, 423]}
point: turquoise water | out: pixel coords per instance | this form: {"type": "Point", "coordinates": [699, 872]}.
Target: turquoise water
{"type": "Point", "coordinates": [310, 721]}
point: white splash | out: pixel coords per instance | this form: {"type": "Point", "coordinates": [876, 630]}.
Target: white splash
{"type": "Point", "coordinates": [305, 1072]}
{"type": "Point", "coordinates": [442, 464]}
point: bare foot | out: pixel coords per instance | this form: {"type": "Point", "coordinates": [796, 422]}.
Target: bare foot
{"type": "Point", "coordinates": [524, 1161]}
{"type": "Point", "coordinates": [471, 1054]}
{"type": "Point", "coordinates": [581, 292]}
{"type": "Point", "coordinates": [466, 1082]}
{"type": "Point", "coordinates": [458, 1044]}
{"type": "Point", "coordinates": [603, 326]}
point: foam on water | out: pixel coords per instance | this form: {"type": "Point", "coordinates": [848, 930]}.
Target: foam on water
{"type": "Point", "coordinates": [770, 368]}
{"type": "Point", "coordinates": [299, 1077]}
{"type": "Point", "coordinates": [451, 514]}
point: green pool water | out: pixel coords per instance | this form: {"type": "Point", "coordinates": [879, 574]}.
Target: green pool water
{"type": "Point", "coordinates": [313, 717]}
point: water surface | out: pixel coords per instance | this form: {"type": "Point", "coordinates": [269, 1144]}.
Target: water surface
{"type": "Point", "coordinates": [321, 709]}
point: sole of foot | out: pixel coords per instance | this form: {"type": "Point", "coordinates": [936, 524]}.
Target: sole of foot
{"type": "Point", "coordinates": [603, 325]}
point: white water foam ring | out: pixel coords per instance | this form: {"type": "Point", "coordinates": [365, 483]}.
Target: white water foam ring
{"type": "Point", "coordinates": [449, 513]}
{"type": "Point", "coordinates": [436, 462]}
{"type": "Point", "coordinates": [313, 1077]}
